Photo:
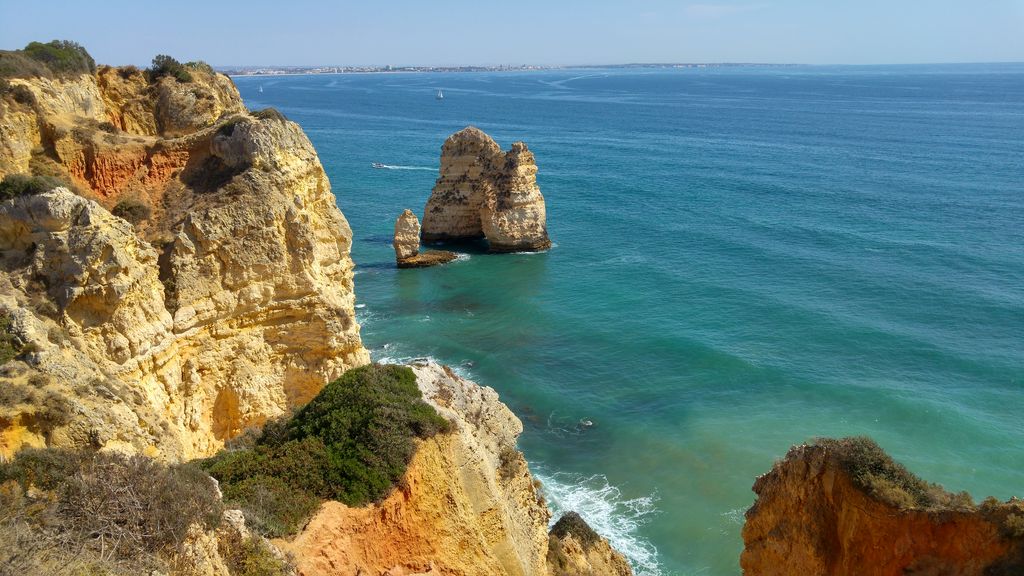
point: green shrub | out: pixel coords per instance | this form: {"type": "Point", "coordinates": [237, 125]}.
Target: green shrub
{"type": "Point", "coordinates": [164, 65]}
{"type": "Point", "coordinates": [62, 56]}
{"type": "Point", "coordinates": [271, 506]}
{"type": "Point", "coordinates": [351, 443]}
{"type": "Point", "coordinates": [14, 185]}
{"type": "Point", "coordinates": [132, 210]}
{"type": "Point", "coordinates": [882, 477]}
{"type": "Point", "coordinates": [367, 419]}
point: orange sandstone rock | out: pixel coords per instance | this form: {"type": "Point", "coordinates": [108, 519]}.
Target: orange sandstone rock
{"type": "Point", "coordinates": [811, 517]}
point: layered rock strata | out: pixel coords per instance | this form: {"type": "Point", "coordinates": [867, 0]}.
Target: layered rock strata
{"type": "Point", "coordinates": [466, 505]}
{"type": "Point", "coordinates": [812, 516]}
{"type": "Point", "coordinates": [407, 245]}
{"type": "Point", "coordinates": [484, 193]}
{"type": "Point", "coordinates": [230, 304]}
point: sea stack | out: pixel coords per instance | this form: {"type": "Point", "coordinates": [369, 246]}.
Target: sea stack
{"type": "Point", "coordinates": [407, 245]}
{"type": "Point", "coordinates": [482, 192]}
{"type": "Point", "coordinates": [407, 236]}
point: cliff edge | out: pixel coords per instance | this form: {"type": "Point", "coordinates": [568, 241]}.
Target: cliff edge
{"type": "Point", "coordinates": [844, 508]}
{"type": "Point", "coordinates": [467, 505]}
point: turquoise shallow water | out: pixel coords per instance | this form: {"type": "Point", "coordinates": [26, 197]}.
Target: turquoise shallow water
{"type": "Point", "coordinates": [744, 259]}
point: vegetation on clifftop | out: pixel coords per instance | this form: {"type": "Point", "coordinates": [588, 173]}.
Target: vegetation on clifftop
{"type": "Point", "coordinates": [64, 512]}
{"type": "Point", "coordinates": [55, 58]}
{"type": "Point", "coordinates": [877, 473]}
{"type": "Point", "coordinates": [351, 443]}
{"type": "Point", "coordinates": [14, 185]}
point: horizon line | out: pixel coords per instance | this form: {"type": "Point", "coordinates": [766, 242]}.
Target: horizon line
{"type": "Point", "coordinates": [623, 64]}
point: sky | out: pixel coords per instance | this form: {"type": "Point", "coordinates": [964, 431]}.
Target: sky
{"type": "Point", "coordinates": [546, 32]}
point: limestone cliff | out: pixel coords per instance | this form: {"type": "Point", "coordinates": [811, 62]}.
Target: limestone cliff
{"type": "Point", "coordinates": [229, 303]}
{"type": "Point", "coordinates": [482, 192]}
{"type": "Point", "coordinates": [467, 504]}
{"type": "Point", "coordinates": [829, 511]}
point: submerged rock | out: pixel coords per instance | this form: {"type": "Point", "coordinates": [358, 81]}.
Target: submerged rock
{"type": "Point", "coordinates": [482, 192]}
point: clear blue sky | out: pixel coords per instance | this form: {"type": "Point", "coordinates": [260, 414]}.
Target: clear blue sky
{"type": "Point", "coordinates": [302, 32]}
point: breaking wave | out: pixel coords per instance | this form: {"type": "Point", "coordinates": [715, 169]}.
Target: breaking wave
{"type": "Point", "coordinates": [608, 512]}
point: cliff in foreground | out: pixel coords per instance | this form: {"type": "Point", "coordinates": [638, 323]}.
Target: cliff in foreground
{"type": "Point", "coordinates": [175, 275]}
{"type": "Point", "coordinates": [218, 296]}
{"type": "Point", "coordinates": [467, 504]}
{"type": "Point", "coordinates": [845, 508]}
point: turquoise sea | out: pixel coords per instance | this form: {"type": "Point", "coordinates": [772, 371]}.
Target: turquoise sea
{"type": "Point", "coordinates": [745, 258]}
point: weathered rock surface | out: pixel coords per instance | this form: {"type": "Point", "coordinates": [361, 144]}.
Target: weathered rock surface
{"type": "Point", "coordinates": [232, 304]}
{"type": "Point", "coordinates": [407, 236]}
{"type": "Point", "coordinates": [482, 192]}
{"type": "Point", "coordinates": [811, 517]}
{"type": "Point", "coordinates": [574, 549]}
{"type": "Point", "coordinates": [467, 504]}
{"type": "Point", "coordinates": [407, 245]}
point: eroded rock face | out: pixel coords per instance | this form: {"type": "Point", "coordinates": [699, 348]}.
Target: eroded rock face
{"type": "Point", "coordinates": [231, 304]}
{"type": "Point", "coordinates": [407, 236]}
{"type": "Point", "coordinates": [460, 509]}
{"type": "Point", "coordinates": [482, 192]}
{"type": "Point", "coordinates": [810, 517]}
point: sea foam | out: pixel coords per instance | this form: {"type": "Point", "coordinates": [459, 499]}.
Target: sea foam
{"type": "Point", "coordinates": [608, 512]}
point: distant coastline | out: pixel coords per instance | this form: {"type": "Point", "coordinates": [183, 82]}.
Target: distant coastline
{"type": "Point", "coordinates": [303, 70]}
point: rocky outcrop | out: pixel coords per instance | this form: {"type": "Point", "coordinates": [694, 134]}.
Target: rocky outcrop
{"type": "Point", "coordinates": [482, 192]}
{"type": "Point", "coordinates": [466, 505]}
{"type": "Point", "coordinates": [114, 134]}
{"type": "Point", "coordinates": [407, 245]}
{"type": "Point", "coordinates": [407, 236]}
{"type": "Point", "coordinates": [835, 508]}
{"type": "Point", "coordinates": [231, 304]}
{"type": "Point", "coordinates": [574, 549]}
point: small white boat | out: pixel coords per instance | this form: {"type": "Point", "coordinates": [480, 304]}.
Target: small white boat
{"type": "Point", "coordinates": [378, 165]}
{"type": "Point", "coordinates": [440, 95]}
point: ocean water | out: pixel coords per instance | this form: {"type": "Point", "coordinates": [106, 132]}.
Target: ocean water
{"type": "Point", "coordinates": [744, 259]}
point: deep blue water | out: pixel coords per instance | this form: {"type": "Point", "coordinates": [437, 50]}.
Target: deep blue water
{"type": "Point", "coordinates": [744, 259]}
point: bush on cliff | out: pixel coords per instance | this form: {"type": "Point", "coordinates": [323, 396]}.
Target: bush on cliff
{"type": "Point", "coordinates": [62, 56]}
{"type": "Point", "coordinates": [55, 58]}
{"type": "Point", "coordinates": [351, 443]}
{"type": "Point", "coordinates": [877, 473]}
{"type": "Point", "coordinates": [14, 185]}
{"type": "Point", "coordinates": [134, 211]}
{"type": "Point", "coordinates": [164, 65]}
{"type": "Point", "coordinates": [89, 513]}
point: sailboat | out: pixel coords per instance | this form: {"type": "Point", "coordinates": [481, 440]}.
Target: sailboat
{"type": "Point", "coordinates": [440, 95]}
{"type": "Point", "coordinates": [261, 88]}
